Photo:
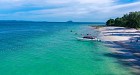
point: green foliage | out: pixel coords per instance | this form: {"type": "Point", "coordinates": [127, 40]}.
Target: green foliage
{"type": "Point", "coordinates": [119, 22]}
{"type": "Point", "coordinates": [131, 20]}
{"type": "Point", "coordinates": [110, 22]}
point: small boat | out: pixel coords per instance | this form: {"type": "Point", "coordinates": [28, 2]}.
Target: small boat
{"type": "Point", "coordinates": [88, 38]}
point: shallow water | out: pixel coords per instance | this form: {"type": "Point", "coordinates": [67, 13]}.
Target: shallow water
{"type": "Point", "coordinates": [51, 49]}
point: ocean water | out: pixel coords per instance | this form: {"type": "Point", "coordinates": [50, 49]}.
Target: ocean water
{"type": "Point", "coordinates": [51, 49]}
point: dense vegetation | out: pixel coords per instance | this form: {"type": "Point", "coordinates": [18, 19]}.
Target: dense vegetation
{"type": "Point", "coordinates": [131, 20]}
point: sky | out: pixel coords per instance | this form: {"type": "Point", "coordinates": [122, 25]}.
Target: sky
{"type": "Point", "coordinates": [65, 10]}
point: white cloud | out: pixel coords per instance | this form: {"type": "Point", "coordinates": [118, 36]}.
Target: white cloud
{"type": "Point", "coordinates": [93, 9]}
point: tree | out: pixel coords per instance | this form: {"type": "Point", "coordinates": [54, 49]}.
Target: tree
{"type": "Point", "coordinates": [131, 20]}
{"type": "Point", "coordinates": [118, 22]}
{"type": "Point", "coordinates": [110, 22]}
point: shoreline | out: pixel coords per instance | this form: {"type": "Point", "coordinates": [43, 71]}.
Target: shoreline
{"type": "Point", "coordinates": [124, 45]}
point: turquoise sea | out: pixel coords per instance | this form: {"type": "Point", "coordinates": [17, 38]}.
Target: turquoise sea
{"type": "Point", "coordinates": [52, 49]}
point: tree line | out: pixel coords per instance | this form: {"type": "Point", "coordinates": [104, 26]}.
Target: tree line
{"type": "Point", "coordinates": [130, 20]}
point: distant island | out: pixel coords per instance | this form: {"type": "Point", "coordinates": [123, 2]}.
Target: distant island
{"type": "Point", "coordinates": [70, 21]}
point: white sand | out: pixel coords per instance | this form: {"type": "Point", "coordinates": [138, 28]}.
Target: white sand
{"type": "Point", "coordinates": [118, 33]}
{"type": "Point", "coordinates": [124, 37]}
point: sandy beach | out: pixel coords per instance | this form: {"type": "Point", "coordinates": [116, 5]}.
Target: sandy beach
{"type": "Point", "coordinates": [124, 44]}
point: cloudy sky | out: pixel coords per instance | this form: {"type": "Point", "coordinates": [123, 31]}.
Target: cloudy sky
{"type": "Point", "coordinates": [63, 10]}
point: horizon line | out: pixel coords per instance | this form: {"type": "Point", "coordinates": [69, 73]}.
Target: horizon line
{"type": "Point", "coordinates": [53, 21]}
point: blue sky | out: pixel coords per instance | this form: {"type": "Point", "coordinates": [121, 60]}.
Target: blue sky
{"type": "Point", "coordinates": [64, 10]}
